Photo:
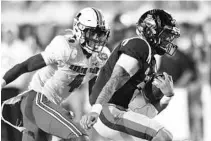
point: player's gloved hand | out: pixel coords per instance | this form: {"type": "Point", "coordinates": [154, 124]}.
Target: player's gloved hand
{"type": "Point", "coordinates": [88, 120]}
{"type": "Point", "coordinates": [164, 84]}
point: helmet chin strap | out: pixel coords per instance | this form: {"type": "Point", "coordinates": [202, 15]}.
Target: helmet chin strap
{"type": "Point", "coordinates": [160, 51]}
{"type": "Point", "coordinates": [86, 51]}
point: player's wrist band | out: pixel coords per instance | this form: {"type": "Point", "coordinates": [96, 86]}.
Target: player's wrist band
{"type": "Point", "coordinates": [3, 83]}
{"type": "Point", "coordinates": [97, 108]}
{"type": "Point", "coordinates": [166, 99]}
{"type": "Point", "coordinates": [170, 94]}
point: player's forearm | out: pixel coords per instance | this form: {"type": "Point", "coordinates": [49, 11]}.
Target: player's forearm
{"type": "Point", "coordinates": [118, 78]}
{"type": "Point", "coordinates": [29, 65]}
{"type": "Point", "coordinates": [14, 73]}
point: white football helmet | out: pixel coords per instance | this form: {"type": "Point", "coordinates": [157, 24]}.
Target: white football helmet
{"type": "Point", "coordinates": [91, 29]}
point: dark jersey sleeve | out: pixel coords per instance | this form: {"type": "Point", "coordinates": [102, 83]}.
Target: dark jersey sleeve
{"type": "Point", "coordinates": [136, 48]}
{"type": "Point", "coordinates": [33, 63]}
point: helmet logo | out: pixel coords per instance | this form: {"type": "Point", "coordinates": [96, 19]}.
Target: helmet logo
{"type": "Point", "coordinates": [158, 21]}
{"type": "Point", "coordinates": [149, 21]}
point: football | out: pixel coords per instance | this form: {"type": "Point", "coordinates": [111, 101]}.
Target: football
{"type": "Point", "coordinates": [151, 92]}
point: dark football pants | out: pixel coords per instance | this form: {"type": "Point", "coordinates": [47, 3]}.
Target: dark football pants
{"type": "Point", "coordinates": [49, 117]}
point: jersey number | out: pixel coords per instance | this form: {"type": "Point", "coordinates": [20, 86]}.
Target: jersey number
{"type": "Point", "coordinates": [76, 82]}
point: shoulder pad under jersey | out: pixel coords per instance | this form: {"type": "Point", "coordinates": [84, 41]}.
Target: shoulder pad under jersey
{"type": "Point", "coordinates": [67, 46]}
{"type": "Point", "coordinates": [73, 43]}
{"type": "Point", "coordinates": [69, 36]}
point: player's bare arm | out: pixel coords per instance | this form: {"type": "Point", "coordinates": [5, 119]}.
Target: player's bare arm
{"type": "Point", "coordinates": [118, 78]}
{"type": "Point", "coordinates": [33, 63]}
{"type": "Point", "coordinates": [125, 68]}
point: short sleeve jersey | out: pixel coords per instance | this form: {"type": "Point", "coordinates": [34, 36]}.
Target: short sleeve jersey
{"type": "Point", "coordinates": [67, 68]}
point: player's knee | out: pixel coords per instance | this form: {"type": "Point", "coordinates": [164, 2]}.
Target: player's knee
{"type": "Point", "coordinates": [163, 135]}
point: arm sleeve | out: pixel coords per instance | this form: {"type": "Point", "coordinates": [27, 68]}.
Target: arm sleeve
{"type": "Point", "coordinates": [136, 48]}
{"type": "Point", "coordinates": [33, 63]}
{"type": "Point", "coordinates": [129, 63]}
{"type": "Point", "coordinates": [58, 50]}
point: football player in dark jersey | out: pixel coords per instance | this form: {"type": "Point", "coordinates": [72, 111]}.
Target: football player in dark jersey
{"type": "Point", "coordinates": [130, 64]}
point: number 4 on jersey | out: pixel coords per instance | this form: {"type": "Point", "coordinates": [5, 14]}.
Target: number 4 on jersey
{"type": "Point", "coordinates": [76, 82]}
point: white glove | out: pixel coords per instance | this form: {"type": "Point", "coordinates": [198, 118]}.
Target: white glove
{"type": "Point", "coordinates": [3, 83]}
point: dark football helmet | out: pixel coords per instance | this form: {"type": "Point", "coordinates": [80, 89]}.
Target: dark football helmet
{"type": "Point", "coordinates": [159, 29]}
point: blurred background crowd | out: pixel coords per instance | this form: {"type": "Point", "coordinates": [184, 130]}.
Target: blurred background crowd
{"type": "Point", "coordinates": [27, 27]}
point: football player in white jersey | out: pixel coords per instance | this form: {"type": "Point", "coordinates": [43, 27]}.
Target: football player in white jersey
{"type": "Point", "coordinates": [67, 64]}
